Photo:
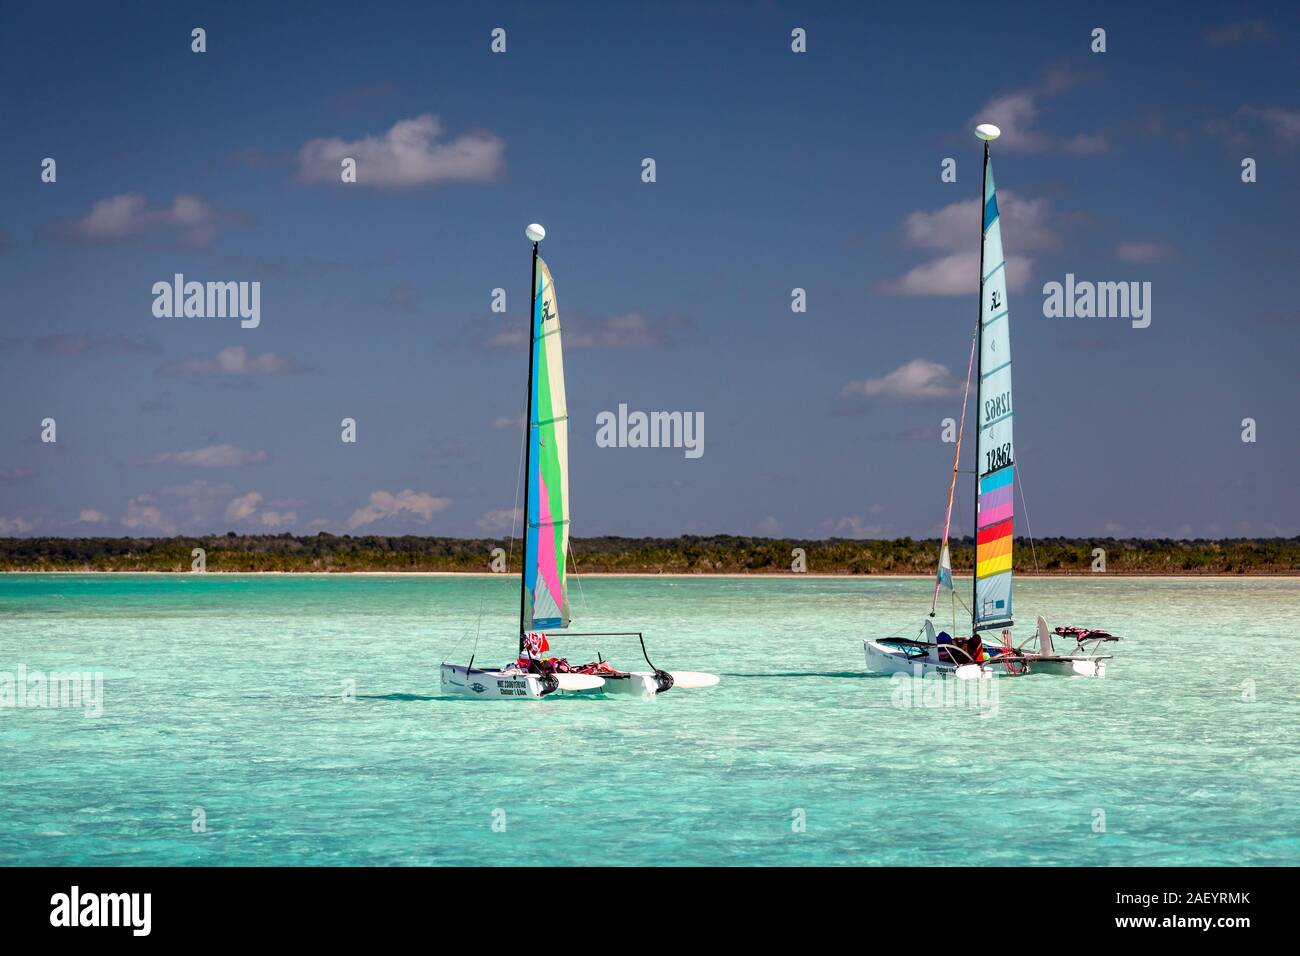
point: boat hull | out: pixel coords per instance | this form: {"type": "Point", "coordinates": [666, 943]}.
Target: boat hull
{"type": "Point", "coordinates": [1080, 666]}
{"type": "Point", "coordinates": [642, 684]}
{"type": "Point", "coordinates": [494, 684]}
{"type": "Point", "coordinates": [884, 659]}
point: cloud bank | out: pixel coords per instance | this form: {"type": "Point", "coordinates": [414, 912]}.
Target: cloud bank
{"type": "Point", "coordinates": [409, 155]}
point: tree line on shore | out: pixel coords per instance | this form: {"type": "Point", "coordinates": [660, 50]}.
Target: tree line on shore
{"type": "Point", "coordinates": [690, 554]}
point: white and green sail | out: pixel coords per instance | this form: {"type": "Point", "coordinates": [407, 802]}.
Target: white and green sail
{"type": "Point", "coordinates": [546, 596]}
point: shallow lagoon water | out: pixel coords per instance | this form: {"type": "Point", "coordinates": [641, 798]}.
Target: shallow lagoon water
{"type": "Point", "coordinates": [226, 694]}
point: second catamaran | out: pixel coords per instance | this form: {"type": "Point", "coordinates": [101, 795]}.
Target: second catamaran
{"type": "Point", "coordinates": [995, 477]}
{"type": "Point", "coordinates": [544, 593]}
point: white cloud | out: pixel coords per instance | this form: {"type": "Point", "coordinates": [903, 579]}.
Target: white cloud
{"type": "Point", "coordinates": [214, 456]}
{"type": "Point", "coordinates": [631, 330]}
{"type": "Point", "coordinates": [91, 516]}
{"type": "Point", "coordinates": [243, 507]}
{"type": "Point", "coordinates": [957, 274]}
{"type": "Point", "coordinates": [407, 155]}
{"type": "Point", "coordinates": [505, 423]}
{"type": "Point", "coordinates": [1285, 124]}
{"type": "Point", "coordinates": [236, 362]}
{"type": "Point", "coordinates": [96, 345]}
{"type": "Point", "coordinates": [142, 514]}
{"type": "Point", "coordinates": [129, 215]}
{"type": "Point", "coordinates": [769, 526]}
{"type": "Point", "coordinates": [507, 340]}
{"type": "Point", "coordinates": [1240, 32]}
{"type": "Point", "coordinates": [278, 519]}
{"type": "Point", "coordinates": [1145, 252]}
{"type": "Point", "coordinates": [384, 504]}
{"type": "Point", "coordinates": [918, 380]}
{"type": "Point", "coordinates": [1027, 224]}
{"type": "Point", "coordinates": [15, 525]}
{"type": "Point", "coordinates": [853, 526]}
{"type": "Point", "coordinates": [1016, 113]}
{"type": "Point", "coordinates": [501, 520]}
{"type": "Point", "coordinates": [200, 501]}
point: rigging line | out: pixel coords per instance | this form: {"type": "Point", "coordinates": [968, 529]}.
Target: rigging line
{"type": "Point", "coordinates": [586, 608]}
{"type": "Point", "coordinates": [1029, 530]}
{"type": "Point", "coordinates": [961, 602]}
{"type": "Point", "coordinates": [514, 517]}
{"type": "Point", "coordinates": [514, 512]}
{"type": "Point", "coordinates": [455, 647]}
{"type": "Point", "coordinates": [464, 634]}
{"type": "Point", "coordinates": [956, 463]}
{"type": "Point", "coordinates": [478, 625]}
{"type": "Point", "coordinates": [478, 622]}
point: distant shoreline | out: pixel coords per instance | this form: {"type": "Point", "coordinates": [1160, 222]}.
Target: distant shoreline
{"type": "Point", "coordinates": [753, 575]}
{"type": "Point", "coordinates": [681, 557]}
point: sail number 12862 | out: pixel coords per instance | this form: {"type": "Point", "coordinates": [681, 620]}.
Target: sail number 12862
{"type": "Point", "coordinates": [996, 458]}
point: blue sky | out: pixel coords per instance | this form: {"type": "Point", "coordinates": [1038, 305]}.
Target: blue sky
{"type": "Point", "coordinates": [775, 170]}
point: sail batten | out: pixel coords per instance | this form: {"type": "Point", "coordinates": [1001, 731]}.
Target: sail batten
{"type": "Point", "coordinates": [995, 448]}
{"type": "Point", "coordinates": [546, 600]}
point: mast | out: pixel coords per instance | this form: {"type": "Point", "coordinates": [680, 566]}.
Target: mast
{"type": "Point", "coordinates": [979, 392]}
{"type": "Point", "coordinates": [528, 429]}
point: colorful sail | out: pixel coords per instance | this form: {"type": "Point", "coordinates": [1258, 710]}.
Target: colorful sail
{"type": "Point", "coordinates": [944, 578]}
{"type": "Point", "coordinates": [546, 602]}
{"type": "Point", "coordinates": [995, 451]}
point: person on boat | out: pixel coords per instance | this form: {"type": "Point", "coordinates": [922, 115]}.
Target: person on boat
{"type": "Point", "coordinates": [945, 655]}
{"type": "Point", "coordinates": [531, 654]}
{"type": "Point", "coordinates": [975, 648]}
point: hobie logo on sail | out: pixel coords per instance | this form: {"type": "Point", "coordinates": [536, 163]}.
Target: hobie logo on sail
{"type": "Point", "coordinates": [1101, 300]}
{"type": "Point", "coordinates": [651, 430]}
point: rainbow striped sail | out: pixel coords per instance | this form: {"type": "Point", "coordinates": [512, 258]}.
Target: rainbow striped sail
{"type": "Point", "coordinates": [547, 599]}
{"type": "Point", "coordinates": [995, 450]}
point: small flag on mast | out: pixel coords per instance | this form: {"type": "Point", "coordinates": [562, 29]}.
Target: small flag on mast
{"type": "Point", "coordinates": [945, 568]}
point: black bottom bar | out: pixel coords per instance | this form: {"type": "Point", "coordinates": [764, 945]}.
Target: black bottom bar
{"type": "Point", "coordinates": [472, 906]}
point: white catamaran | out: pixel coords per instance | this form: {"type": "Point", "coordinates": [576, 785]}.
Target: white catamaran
{"type": "Point", "coordinates": [942, 653]}
{"type": "Point", "coordinates": [544, 594]}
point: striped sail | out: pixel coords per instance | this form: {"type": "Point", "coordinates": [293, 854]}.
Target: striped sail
{"type": "Point", "coordinates": [547, 598]}
{"type": "Point", "coordinates": [995, 454]}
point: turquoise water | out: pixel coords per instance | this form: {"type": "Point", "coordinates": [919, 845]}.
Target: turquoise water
{"type": "Point", "coordinates": [226, 694]}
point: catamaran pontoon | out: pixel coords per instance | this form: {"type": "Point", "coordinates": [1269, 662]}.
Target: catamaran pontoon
{"type": "Point", "coordinates": [544, 594]}
{"type": "Point", "coordinates": [973, 657]}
